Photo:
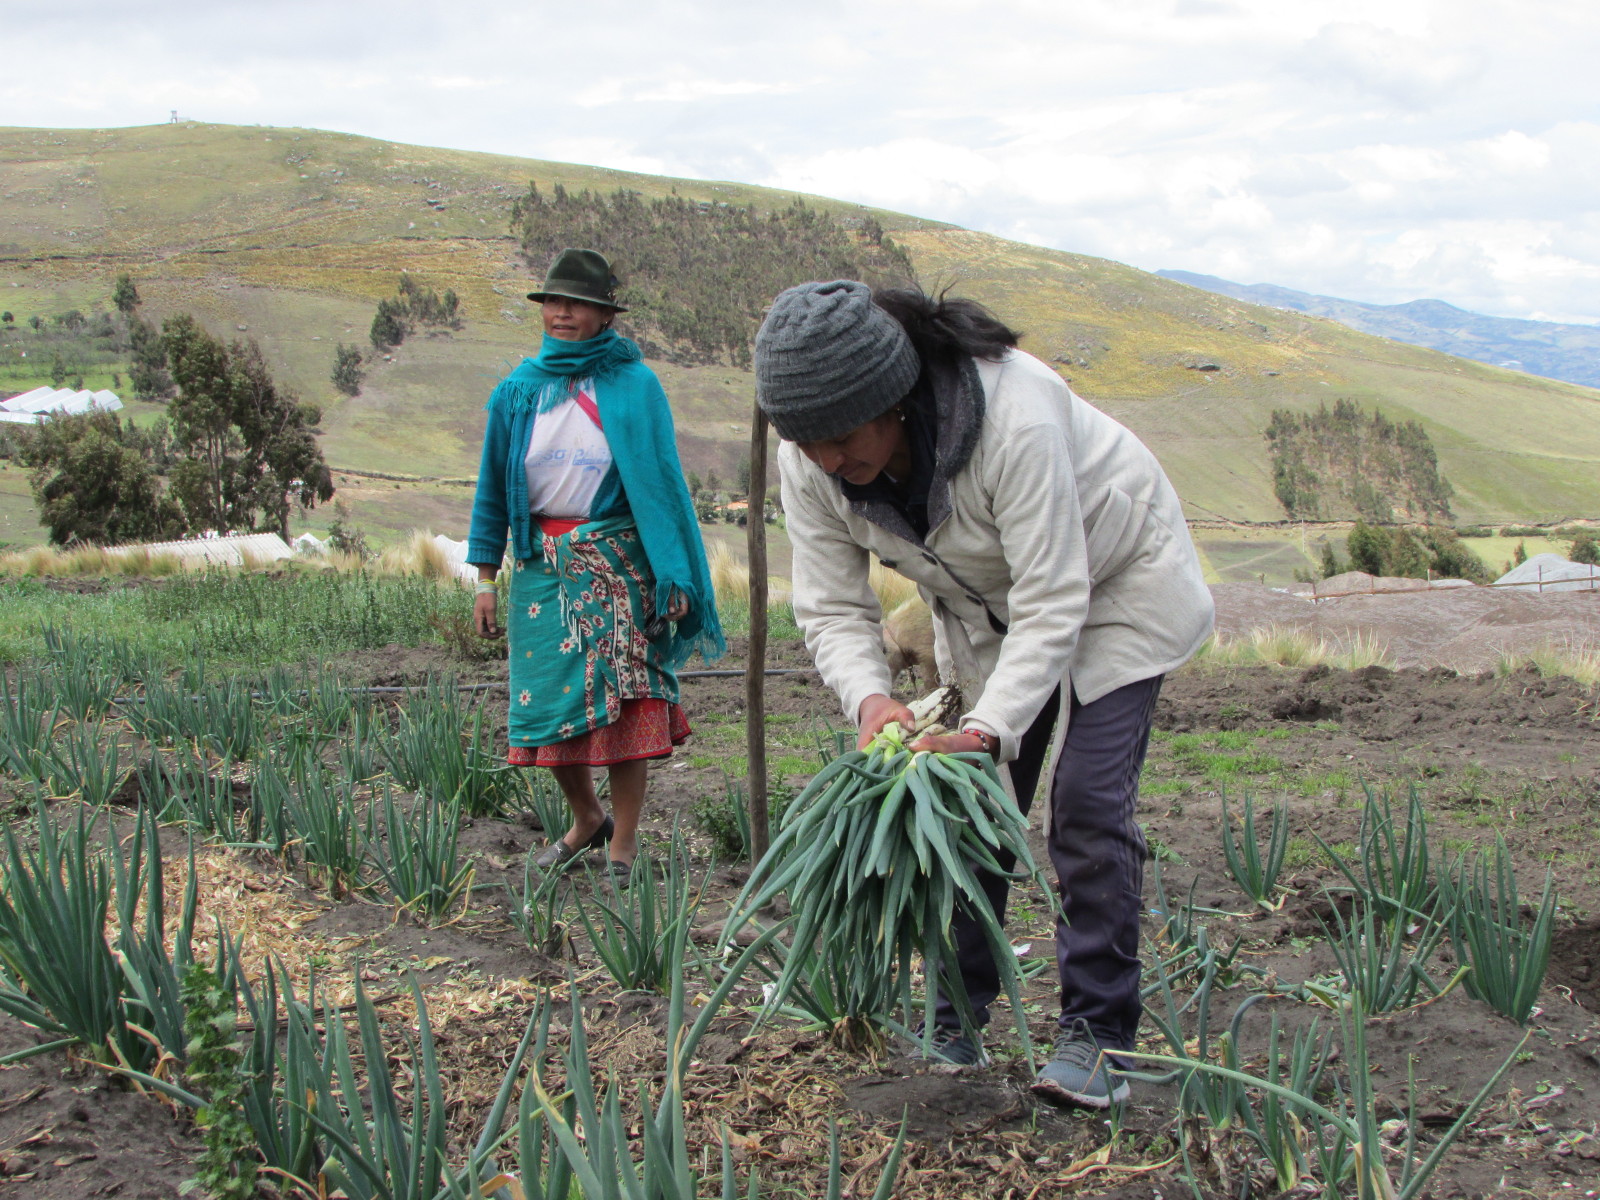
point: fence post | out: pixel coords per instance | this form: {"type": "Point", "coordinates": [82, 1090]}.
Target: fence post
{"type": "Point", "coordinates": [755, 668]}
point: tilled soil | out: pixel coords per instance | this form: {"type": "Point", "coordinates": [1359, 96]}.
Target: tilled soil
{"type": "Point", "coordinates": [66, 1133]}
{"type": "Point", "coordinates": [1510, 756]}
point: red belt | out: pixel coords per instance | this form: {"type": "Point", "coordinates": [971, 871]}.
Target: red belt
{"type": "Point", "coordinates": [555, 526]}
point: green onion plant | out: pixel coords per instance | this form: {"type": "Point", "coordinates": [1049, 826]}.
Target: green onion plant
{"type": "Point", "coordinates": [435, 748]}
{"type": "Point", "coordinates": [1276, 1126]}
{"type": "Point", "coordinates": [584, 1135]}
{"type": "Point", "coordinates": [86, 763]}
{"type": "Point", "coordinates": [190, 788]}
{"type": "Point", "coordinates": [57, 971]}
{"type": "Point", "coordinates": [539, 909]}
{"type": "Point", "coordinates": [1506, 960]}
{"type": "Point", "coordinates": [158, 714]}
{"type": "Point", "coordinates": [544, 800]}
{"type": "Point", "coordinates": [323, 814]}
{"type": "Point", "coordinates": [27, 727]}
{"type": "Point", "coordinates": [120, 1002]}
{"type": "Point", "coordinates": [79, 672]}
{"type": "Point", "coordinates": [269, 818]}
{"type": "Point", "coordinates": [1383, 962]}
{"type": "Point", "coordinates": [635, 931]}
{"type": "Point", "coordinates": [358, 747]}
{"type": "Point", "coordinates": [285, 1061]}
{"type": "Point", "coordinates": [877, 854]}
{"type": "Point", "coordinates": [1256, 873]}
{"type": "Point", "coordinates": [153, 976]}
{"type": "Point", "coordinates": [1220, 1101]}
{"type": "Point", "coordinates": [417, 855]}
{"type": "Point", "coordinates": [1345, 1134]}
{"type": "Point", "coordinates": [1393, 868]}
{"type": "Point", "coordinates": [221, 715]}
{"type": "Point", "coordinates": [383, 1143]}
{"type": "Point", "coordinates": [280, 693]}
{"type": "Point", "coordinates": [327, 702]}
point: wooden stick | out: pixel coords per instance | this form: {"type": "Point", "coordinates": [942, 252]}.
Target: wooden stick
{"type": "Point", "coordinates": [755, 669]}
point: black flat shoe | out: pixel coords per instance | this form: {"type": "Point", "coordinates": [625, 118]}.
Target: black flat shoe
{"type": "Point", "coordinates": [559, 854]}
{"type": "Point", "coordinates": [601, 835]}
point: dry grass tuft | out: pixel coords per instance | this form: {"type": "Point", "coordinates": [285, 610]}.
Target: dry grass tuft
{"type": "Point", "coordinates": [1572, 660]}
{"type": "Point", "coordinates": [1292, 646]}
{"type": "Point", "coordinates": [1288, 646]}
{"type": "Point", "coordinates": [338, 560]}
{"type": "Point", "coordinates": [730, 577]}
{"type": "Point", "coordinates": [34, 561]}
{"type": "Point", "coordinates": [419, 556]}
{"type": "Point", "coordinates": [1365, 650]}
{"type": "Point", "coordinates": [140, 562]}
{"type": "Point", "coordinates": [87, 561]}
{"type": "Point", "coordinates": [251, 562]}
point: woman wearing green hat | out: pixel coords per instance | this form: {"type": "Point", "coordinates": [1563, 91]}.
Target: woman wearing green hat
{"type": "Point", "coordinates": [610, 593]}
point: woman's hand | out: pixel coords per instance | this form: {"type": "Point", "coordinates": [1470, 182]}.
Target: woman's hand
{"type": "Point", "coordinates": [878, 710]}
{"type": "Point", "coordinates": [952, 743]}
{"type": "Point", "coordinates": [677, 606]}
{"type": "Point", "coordinates": [485, 614]}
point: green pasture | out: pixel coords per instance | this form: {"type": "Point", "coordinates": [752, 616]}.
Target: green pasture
{"type": "Point", "coordinates": [290, 236]}
{"type": "Point", "coordinates": [234, 618]}
{"type": "Point", "coordinates": [19, 516]}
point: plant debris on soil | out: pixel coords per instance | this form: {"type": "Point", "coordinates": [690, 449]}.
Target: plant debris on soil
{"type": "Point", "coordinates": [1492, 756]}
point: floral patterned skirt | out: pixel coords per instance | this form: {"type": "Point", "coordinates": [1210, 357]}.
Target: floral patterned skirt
{"type": "Point", "coordinates": [576, 625]}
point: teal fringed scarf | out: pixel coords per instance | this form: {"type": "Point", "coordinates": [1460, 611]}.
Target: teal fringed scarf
{"type": "Point", "coordinates": [637, 422]}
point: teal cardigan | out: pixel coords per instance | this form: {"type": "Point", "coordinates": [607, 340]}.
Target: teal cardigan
{"type": "Point", "coordinates": [645, 482]}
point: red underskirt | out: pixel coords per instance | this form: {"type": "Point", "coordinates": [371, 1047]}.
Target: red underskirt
{"type": "Point", "coordinates": [647, 728]}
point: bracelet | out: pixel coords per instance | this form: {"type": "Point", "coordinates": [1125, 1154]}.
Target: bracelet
{"type": "Point", "coordinates": [485, 587]}
{"type": "Point", "coordinates": [986, 738]}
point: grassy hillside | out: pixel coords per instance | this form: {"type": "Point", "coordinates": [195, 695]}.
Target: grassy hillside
{"type": "Point", "coordinates": [1133, 342]}
{"type": "Point", "coordinates": [291, 236]}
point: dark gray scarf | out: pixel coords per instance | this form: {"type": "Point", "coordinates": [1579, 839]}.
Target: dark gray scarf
{"type": "Point", "coordinates": [958, 406]}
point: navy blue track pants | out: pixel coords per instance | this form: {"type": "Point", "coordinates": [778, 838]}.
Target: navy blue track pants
{"type": "Point", "coordinates": [1098, 852]}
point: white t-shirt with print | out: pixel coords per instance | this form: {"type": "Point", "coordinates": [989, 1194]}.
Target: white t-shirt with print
{"type": "Point", "coordinates": [567, 458]}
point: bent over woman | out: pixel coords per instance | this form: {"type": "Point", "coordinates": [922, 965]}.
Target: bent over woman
{"type": "Point", "coordinates": [1063, 583]}
{"type": "Point", "coordinates": [610, 593]}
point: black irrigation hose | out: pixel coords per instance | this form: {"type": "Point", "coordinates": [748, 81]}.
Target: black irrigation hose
{"type": "Point", "coordinates": [483, 687]}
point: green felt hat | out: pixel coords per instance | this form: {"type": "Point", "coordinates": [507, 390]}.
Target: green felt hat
{"type": "Point", "coordinates": [580, 275]}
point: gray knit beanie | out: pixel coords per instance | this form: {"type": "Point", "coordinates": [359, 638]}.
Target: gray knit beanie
{"type": "Point", "coordinates": [828, 359]}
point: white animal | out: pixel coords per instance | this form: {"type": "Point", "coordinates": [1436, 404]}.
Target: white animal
{"type": "Point", "coordinates": [908, 642]}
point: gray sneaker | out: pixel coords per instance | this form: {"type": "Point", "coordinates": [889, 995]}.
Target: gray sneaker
{"type": "Point", "coordinates": [1078, 1073]}
{"type": "Point", "coordinates": [952, 1049]}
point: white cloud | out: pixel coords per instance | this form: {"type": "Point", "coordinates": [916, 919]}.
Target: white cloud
{"type": "Point", "coordinates": [1380, 149]}
{"type": "Point", "coordinates": [675, 91]}
{"type": "Point", "coordinates": [1413, 72]}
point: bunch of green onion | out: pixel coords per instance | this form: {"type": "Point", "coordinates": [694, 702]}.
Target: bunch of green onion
{"type": "Point", "coordinates": [877, 854]}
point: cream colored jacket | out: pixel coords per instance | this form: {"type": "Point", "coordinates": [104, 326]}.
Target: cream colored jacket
{"type": "Point", "coordinates": [1062, 522]}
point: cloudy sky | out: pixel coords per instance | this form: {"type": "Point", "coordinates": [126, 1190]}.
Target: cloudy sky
{"type": "Point", "coordinates": [1382, 150]}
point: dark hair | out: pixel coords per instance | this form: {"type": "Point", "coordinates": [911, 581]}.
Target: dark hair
{"type": "Point", "coordinates": [943, 329]}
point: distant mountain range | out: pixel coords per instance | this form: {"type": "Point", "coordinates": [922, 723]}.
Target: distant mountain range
{"type": "Point", "coordinates": [1569, 352]}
